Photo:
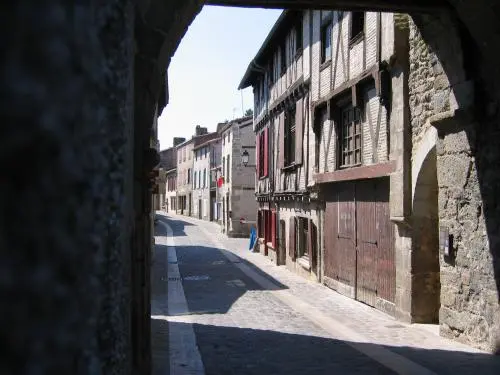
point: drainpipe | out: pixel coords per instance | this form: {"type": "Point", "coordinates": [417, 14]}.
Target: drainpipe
{"type": "Point", "coordinates": [379, 36]}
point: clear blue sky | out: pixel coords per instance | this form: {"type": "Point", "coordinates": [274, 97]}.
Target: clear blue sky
{"type": "Point", "coordinates": [207, 68]}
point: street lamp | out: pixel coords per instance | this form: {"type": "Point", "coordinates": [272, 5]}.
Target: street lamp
{"type": "Point", "coordinates": [245, 157]}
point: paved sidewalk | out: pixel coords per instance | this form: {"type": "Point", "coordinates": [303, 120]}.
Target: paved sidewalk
{"type": "Point", "coordinates": [296, 305]}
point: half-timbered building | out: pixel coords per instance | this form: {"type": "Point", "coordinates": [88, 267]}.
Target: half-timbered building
{"type": "Point", "coordinates": [329, 157]}
{"type": "Point", "coordinates": [280, 74]}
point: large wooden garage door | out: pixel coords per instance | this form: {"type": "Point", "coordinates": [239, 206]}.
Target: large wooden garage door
{"type": "Point", "coordinates": [340, 234]}
{"type": "Point", "coordinates": [359, 239]}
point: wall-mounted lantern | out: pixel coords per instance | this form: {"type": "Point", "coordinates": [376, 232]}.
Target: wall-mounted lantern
{"type": "Point", "coordinates": [245, 157]}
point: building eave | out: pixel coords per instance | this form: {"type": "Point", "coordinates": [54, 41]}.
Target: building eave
{"type": "Point", "coordinates": [281, 25]}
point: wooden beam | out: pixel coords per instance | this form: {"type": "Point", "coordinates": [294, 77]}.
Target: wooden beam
{"type": "Point", "coordinates": [357, 173]}
{"type": "Point", "coordinates": [365, 5]}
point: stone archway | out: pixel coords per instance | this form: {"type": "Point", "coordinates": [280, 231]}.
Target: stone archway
{"type": "Point", "coordinates": [425, 269]}
{"type": "Point", "coordinates": [80, 89]}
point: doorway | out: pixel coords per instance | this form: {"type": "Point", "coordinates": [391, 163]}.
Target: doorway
{"type": "Point", "coordinates": [359, 250]}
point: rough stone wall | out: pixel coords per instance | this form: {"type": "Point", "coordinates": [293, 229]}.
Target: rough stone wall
{"type": "Point", "coordinates": [66, 220]}
{"type": "Point", "coordinates": [442, 82]}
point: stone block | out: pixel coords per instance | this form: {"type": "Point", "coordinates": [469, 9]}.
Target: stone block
{"type": "Point", "coordinates": [452, 170]}
{"type": "Point", "coordinates": [440, 101]}
{"type": "Point", "coordinates": [456, 142]}
{"type": "Point", "coordinates": [448, 296]}
{"type": "Point", "coordinates": [441, 83]}
{"type": "Point", "coordinates": [453, 319]}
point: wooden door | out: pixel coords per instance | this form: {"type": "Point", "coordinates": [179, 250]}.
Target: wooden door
{"type": "Point", "coordinates": [340, 235]}
{"type": "Point", "coordinates": [386, 268]}
{"type": "Point", "coordinates": [282, 243]}
{"type": "Point", "coordinates": [359, 239]}
{"type": "Point", "coordinates": [367, 241]}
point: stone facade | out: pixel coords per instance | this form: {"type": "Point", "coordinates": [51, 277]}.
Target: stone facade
{"type": "Point", "coordinates": [444, 78]}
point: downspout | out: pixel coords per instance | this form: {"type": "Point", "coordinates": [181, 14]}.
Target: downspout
{"type": "Point", "coordinates": [379, 36]}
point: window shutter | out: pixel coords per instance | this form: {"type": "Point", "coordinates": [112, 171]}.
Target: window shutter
{"type": "Point", "coordinates": [291, 242]}
{"type": "Point", "coordinates": [299, 130]}
{"type": "Point", "coordinates": [266, 159]}
{"type": "Point", "coordinates": [257, 155]}
{"type": "Point", "coordinates": [313, 244]}
{"type": "Point", "coordinates": [281, 139]}
{"type": "Point", "coordinates": [273, 229]}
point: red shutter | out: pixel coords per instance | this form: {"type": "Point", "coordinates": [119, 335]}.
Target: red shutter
{"type": "Point", "coordinates": [268, 226]}
{"type": "Point", "coordinates": [291, 242]}
{"type": "Point", "coordinates": [273, 229]}
{"type": "Point", "coordinates": [257, 155]}
{"type": "Point", "coordinates": [266, 162]}
{"type": "Point", "coordinates": [281, 140]}
{"type": "Point", "coordinates": [299, 131]}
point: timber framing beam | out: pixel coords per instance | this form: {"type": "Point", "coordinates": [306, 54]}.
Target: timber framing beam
{"type": "Point", "coordinates": [405, 6]}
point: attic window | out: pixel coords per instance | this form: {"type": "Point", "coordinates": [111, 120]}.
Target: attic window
{"type": "Point", "coordinates": [357, 26]}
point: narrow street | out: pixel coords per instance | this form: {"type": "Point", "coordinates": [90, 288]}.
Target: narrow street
{"type": "Point", "coordinates": [218, 308]}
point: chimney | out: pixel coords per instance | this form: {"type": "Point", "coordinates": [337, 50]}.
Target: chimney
{"type": "Point", "coordinates": [178, 140]}
{"type": "Point", "coordinates": [200, 131]}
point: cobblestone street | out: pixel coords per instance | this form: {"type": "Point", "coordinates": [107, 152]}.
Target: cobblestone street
{"type": "Point", "coordinates": [221, 309]}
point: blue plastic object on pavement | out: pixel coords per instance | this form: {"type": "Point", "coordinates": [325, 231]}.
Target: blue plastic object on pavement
{"type": "Point", "coordinates": [253, 237]}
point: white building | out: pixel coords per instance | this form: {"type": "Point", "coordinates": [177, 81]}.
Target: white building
{"type": "Point", "coordinates": [237, 194]}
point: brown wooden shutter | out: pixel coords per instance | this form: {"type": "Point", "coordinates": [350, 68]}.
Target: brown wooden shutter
{"type": "Point", "coordinates": [291, 242]}
{"type": "Point", "coordinates": [313, 244]}
{"type": "Point", "coordinates": [257, 155]}
{"type": "Point", "coordinates": [273, 229]}
{"type": "Point", "coordinates": [266, 154]}
{"type": "Point", "coordinates": [299, 131]}
{"type": "Point", "coordinates": [281, 139]}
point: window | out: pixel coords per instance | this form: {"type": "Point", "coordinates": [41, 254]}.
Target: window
{"type": "Point", "coordinates": [199, 180]}
{"type": "Point", "coordinates": [228, 137]}
{"type": "Point", "coordinates": [326, 42]}
{"type": "Point", "coordinates": [195, 175]}
{"type": "Point", "coordinates": [223, 164]}
{"type": "Point", "coordinates": [228, 166]}
{"type": "Point", "coordinates": [283, 58]}
{"type": "Point", "coordinates": [275, 68]}
{"type": "Point", "coordinates": [318, 129]}
{"type": "Point", "coordinates": [350, 137]}
{"type": "Point", "coordinates": [357, 25]}
{"type": "Point", "coordinates": [260, 155]}
{"type": "Point", "coordinates": [299, 37]}
{"type": "Point", "coordinates": [302, 236]}
{"type": "Point", "coordinates": [289, 136]}
{"type": "Point", "coordinates": [204, 178]}
{"type": "Point", "coordinates": [189, 176]}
